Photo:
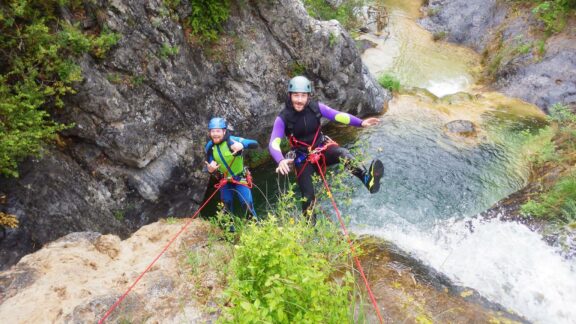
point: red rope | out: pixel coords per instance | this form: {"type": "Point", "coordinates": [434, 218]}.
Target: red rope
{"type": "Point", "coordinates": [316, 155]}
{"type": "Point", "coordinates": [360, 269]}
{"type": "Point", "coordinates": [217, 186]}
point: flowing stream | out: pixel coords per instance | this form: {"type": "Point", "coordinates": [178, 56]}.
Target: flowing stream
{"type": "Point", "coordinates": [435, 183]}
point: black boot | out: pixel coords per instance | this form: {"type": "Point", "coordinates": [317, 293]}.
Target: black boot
{"type": "Point", "coordinates": [372, 176]}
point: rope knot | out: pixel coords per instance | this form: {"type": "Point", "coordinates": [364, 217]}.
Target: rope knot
{"type": "Point", "coordinates": [314, 157]}
{"type": "Point", "coordinates": [221, 183]}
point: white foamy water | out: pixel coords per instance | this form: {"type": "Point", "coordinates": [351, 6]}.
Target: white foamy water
{"type": "Point", "coordinates": [441, 88]}
{"type": "Point", "coordinates": [505, 262]}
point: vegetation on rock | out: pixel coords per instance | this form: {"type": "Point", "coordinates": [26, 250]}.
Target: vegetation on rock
{"type": "Point", "coordinates": [557, 199]}
{"type": "Point", "coordinates": [38, 49]}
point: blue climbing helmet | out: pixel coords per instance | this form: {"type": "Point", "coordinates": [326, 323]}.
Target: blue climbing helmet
{"type": "Point", "coordinates": [217, 122]}
{"type": "Point", "coordinates": [300, 84]}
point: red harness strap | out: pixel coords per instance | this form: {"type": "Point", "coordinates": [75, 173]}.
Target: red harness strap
{"type": "Point", "coordinates": [317, 156]}
{"type": "Point", "coordinates": [314, 155]}
{"type": "Point", "coordinates": [226, 179]}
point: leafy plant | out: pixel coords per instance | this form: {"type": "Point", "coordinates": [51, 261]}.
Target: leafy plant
{"type": "Point", "coordinates": [562, 114]}
{"type": "Point", "coordinates": [167, 51]}
{"type": "Point", "coordinates": [332, 39]}
{"type": "Point", "coordinates": [524, 48]}
{"type": "Point", "coordinates": [439, 35]}
{"type": "Point", "coordinates": [558, 202]}
{"type": "Point", "coordinates": [207, 17]}
{"type": "Point", "coordinates": [119, 215]}
{"type": "Point", "coordinates": [172, 220]}
{"type": "Point", "coordinates": [8, 220]}
{"type": "Point", "coordinates": [540, 48]}
{"type": "Point", "coordinates": [296, 68]}
{"type": "Point", "coordinates": [38, 51]}
{"type": "Point", "coordinates": [279, 276]}
{"type": "Point", "coordinates": [553, 13]}
{"type": "Point", "coordinates": [389, 82]}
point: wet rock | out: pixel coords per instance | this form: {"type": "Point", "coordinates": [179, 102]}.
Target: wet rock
{"type": "Point", "coordinates": [372, 19]}
{"type": "Point", "coordinates": [457, 98]}
{"type": "Point", "coordinates": [364, 44]}
{"type": "Point", "coordinates": [464, 22]}
{"type": "Point", "coordinates": [408, 290]}
{"type": "Point", "coordinates": [549, 80]}
{"type": "Point", "coordinates": [463, 128]}
{"type": "Point", "coordinates": [511, 49]}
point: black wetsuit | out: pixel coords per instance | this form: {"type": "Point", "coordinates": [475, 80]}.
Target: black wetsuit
{"type": "Point", "coordinates": [303, 126]}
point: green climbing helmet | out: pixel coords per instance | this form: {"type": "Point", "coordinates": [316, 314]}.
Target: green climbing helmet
{"type": "Point", "coordinates": [300, 84]}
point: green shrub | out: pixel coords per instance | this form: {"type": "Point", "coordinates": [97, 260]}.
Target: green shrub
{"type": "Point", "coordinates": [557, 203]}
{"type": "Point", "coordinates": [389, 82]}
{"type": "Point", "coordinates": [207, 17]}
{"type": "Point", "coordinates": [37, 51]}
{"type": "Point", "coordinates": [562, 114]}
{"type": "Point", "coordinates": [553, 13]}
{"type": "Point", "coordinates": [296, 68]}
{"type": "Point", "coordinates": [436, 36]}
{"type": "Point", "coordinates": [167, 51]}
{"type": "Point", "coordinates": [281, 275]}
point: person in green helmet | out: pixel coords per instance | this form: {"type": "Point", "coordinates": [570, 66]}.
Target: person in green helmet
{"type": "Point", "coordinates": [224, 156]}
{"type": "Point", "coordinates": [299, 121]}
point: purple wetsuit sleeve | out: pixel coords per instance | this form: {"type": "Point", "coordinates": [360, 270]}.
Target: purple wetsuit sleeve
{"type": "Point", "coordinates": [275, 139]}
{"type": "Point", "coordinates": [339, 116]}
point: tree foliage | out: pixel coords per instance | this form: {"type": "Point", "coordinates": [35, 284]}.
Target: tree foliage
{"type": "Point", "coordinates": [38, 50]}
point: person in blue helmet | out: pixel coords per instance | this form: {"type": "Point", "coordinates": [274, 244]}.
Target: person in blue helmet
{"type": "Point", "coordinates": [300, 122]}
{"type": "Point", "coordinates": [224, 159]}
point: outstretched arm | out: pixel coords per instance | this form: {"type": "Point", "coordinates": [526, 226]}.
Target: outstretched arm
{"type": "Point", "coordinates": [345, 118]}
{"type": "Point", "coordinates": [341, 117]}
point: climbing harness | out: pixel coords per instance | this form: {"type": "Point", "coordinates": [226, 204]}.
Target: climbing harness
{"type": "Point", "coordinates": [313, 155]}
{"type": "Point", "coordinates": [231, 177]}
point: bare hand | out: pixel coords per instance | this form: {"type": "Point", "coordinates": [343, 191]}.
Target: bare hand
{"type": "Point", "coordinates": [284, 166]}
{"type": "Point", "coordinates": [372, 121]}
{"type": "Point", "coordinates": [212, 166]}
{"type": "Point", "coordinates": [236, 147]}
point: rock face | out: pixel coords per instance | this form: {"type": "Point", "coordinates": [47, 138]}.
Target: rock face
{"type": "Point", "coordinates": [140, 115]}
{"type": "Point", "coordinates": [518, 60]}
{"type": "Point", "coordinates": [465, 22]}
{"type": "Point", "coordinates": [78, 278]}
